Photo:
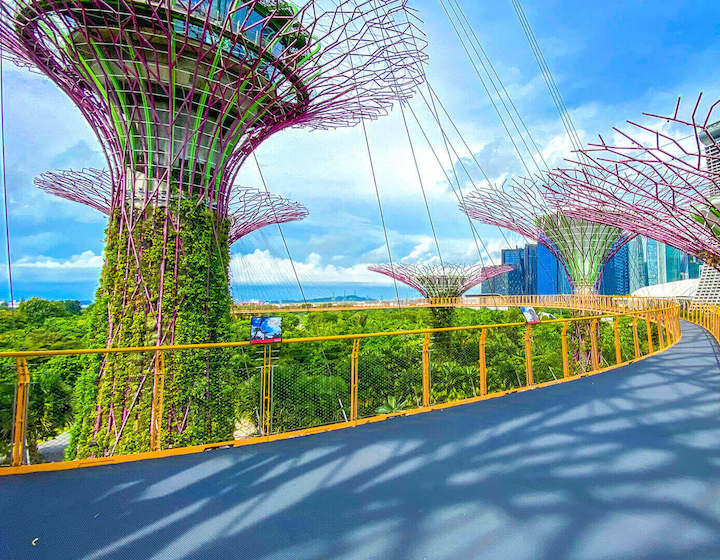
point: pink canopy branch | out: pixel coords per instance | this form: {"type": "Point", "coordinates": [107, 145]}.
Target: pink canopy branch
{"type": "Point", "coordinates": [250, 209]}
{"type": "Point", "coordinates": [436, 281]}
{"type": "Point", "coordinates": [660, 180]}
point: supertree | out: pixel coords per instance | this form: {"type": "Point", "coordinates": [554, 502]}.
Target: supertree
{"type": "Point", "coordinates": [660, 179]}
{"type": "Point", "coordinates": [440, 281]}
{"type": "Point", "coordinates": [447, 281]}
{"type": "Point", "coordinates": [582, 247]}
{"type": "Point", "coordinates": [179, 93]}
{"type": "Point", "coordinates": [250, 209]}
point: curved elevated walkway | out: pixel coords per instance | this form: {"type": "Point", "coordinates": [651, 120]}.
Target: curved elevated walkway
{"type": "Point", "coordinates": [622, 465]}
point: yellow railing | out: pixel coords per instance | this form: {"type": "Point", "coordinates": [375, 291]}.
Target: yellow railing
{"type": "Point", "coordinates": [703, 314]}
{"type": "Point", "coordinates": [610, 304]}
{"type": "Point", "coordinates": [305, 385]}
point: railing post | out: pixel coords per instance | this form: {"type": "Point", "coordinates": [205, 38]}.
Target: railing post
{"type": "Point", "coordinates": [426, 370]}
{"type": "Point", "coordinates": [636, 338]}
{"type": "Point", "coordinates": [528, 356]}
{"type": "Point", "coordinates": [156, 413]}
{"type": "Point", "coordinates": [20, 415]}
{"type": "Point", "coordinates": [267, 389]}
{"type": "Point", "coordinates": [354, 363]}
{"type": "Point", "coordinates": [661, 338]}
{"type": "Point", "coordinates": [481, 362]}
{"type": "Point", "coordinates": [648, 327]}
{"type": "Point", "coordinates": [618, 353]}
{"type": "Point", "coordinates": [563, 341]}
{"type": "Point", "coordinates": [594, 345]}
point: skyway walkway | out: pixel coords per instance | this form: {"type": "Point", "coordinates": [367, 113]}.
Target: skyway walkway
{"type": "Point", "coordinates": [622, 465]}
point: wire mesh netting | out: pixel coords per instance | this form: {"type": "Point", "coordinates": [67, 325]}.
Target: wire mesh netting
{"type": "Point", "coordinates": [390, 374]}
{"type": "Point", "coordinates": [505, 358]}
{"type": "Point", "coordinates": [310, 385]}
{"type": "Point", "coordinates": [547, 352]}
{"type": "Point", "coordinates": [454, 366]}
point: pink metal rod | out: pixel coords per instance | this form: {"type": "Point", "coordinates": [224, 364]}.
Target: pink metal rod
{"type": "Point", "coordinates": [250, 209]}
{"type": "Point", "coordinates": [660, 180]}
{"type": "Point", "coordinates": [450, 280]}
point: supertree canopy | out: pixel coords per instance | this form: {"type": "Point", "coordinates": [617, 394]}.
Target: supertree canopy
{"type": "Point", "coordinates": [179, 93]}
{"type": "Point", "coordinates": [250, 209]}
{"type": "Point", "coordinates": [441, 281]}
{"type": "Point", "coordinates": [583, 247]}
{"type": "Point", "coordinates": [659, 179]}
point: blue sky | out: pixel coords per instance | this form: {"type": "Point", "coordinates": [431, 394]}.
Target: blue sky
{"type": "Point", "coordinates": [612, 61]}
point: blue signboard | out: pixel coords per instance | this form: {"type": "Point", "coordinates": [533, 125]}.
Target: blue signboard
{"type": "Point", "coordinates": [265, 329]}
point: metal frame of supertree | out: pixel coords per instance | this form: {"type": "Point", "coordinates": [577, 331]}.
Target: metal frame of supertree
{"type": "Point", "coordinates": [440, 281]}
{"type": "Point", "coordinates": [250, 209]}
{"type": "Point", "coordinates": [582, 247]}
{"type": "Point", "coordinates": [660, 179]}
{"type": "Point", "coordinates": [179, 93]}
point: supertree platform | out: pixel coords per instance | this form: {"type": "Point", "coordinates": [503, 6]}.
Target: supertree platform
{"type": "Point", "coordinates": [436, 281]}
{"type": "Point", "coordinates": [583, 247]}
{"type": "Point", "coordinates": [660, 179]}
{"type": "Point", "coordinates": [250, 209]}
{"type": "Point", "coordinates": [179, 93]}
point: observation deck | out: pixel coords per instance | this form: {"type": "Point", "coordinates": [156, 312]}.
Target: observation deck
{"type": "Point", "coordinates": [617, 465]}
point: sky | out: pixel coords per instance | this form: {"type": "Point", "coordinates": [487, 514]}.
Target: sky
{"type": "Point", "coordinates": [612, 61]}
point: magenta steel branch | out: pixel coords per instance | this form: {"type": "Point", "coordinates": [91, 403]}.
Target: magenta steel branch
{"type": "Point", "coordinates": [660, 179]}
{"type": "Point", "coordinates": [250, 209]}
{"type": "Point", "coordinates": [441, 281]}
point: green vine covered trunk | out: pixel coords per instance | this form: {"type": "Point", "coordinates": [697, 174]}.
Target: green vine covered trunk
{"type": "Point", "coordinates": [164, 281]}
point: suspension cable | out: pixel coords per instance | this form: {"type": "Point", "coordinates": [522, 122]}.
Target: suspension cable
{"type": "Point", "coordinates": [4, 177]}
{"type": "Point", "coordinates": [282, 235]}
{"type": "Point", "coordinates": [380, 209]}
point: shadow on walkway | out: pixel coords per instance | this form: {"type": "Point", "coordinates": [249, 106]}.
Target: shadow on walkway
{"type": "Point", "coordinates": [622, 465]}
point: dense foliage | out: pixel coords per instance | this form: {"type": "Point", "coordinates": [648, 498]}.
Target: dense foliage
{"type": "Point", "coordinates": [311, 381]}
{"type": "Point", "coordinates": [175, 291]}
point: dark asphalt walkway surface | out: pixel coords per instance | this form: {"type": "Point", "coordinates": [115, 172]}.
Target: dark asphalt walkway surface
{"type": "Point", "coordinates": [622, 465]}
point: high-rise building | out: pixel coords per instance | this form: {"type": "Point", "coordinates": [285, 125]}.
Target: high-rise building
{"type": "Point", "coordinates": [516, 277]}
{"type": "Point", "coordinates": [637, 264]}
{"type": "Point", "coordinates": [674, 264]}
{"type": "Point", "coordinates": [548, 271]}
{"type": "Point", "coordinates": [531, 269]}
{"type": "Point", "coordinates": [616, 276]}
{"type": "Point", "coordinates": [651, 259]}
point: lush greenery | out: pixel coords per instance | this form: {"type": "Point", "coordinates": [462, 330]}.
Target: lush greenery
{"type": "Point", "coordinates": [311, 380]}
{"type": "Point", "coordinates": [161, 284]}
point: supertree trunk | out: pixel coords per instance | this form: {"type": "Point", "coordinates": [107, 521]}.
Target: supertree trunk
{"type": "Point", "coordinates": [165, 281]}
{"type": "Point", "coordinates": [442, 318]}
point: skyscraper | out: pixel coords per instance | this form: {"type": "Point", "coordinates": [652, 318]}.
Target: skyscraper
{"type": "Point", "coordinates": [547, 272]}
{"type": "Point", "coordinates": [637, 264]}
{"type": "Point", "coordinates": [673, 264]}
{"type": "Point", "coordinates": [616, 277]}
{"type": "Point", "coordinates": [651, 258]}
{"type": "Point", "coordinates": [516, 277]}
